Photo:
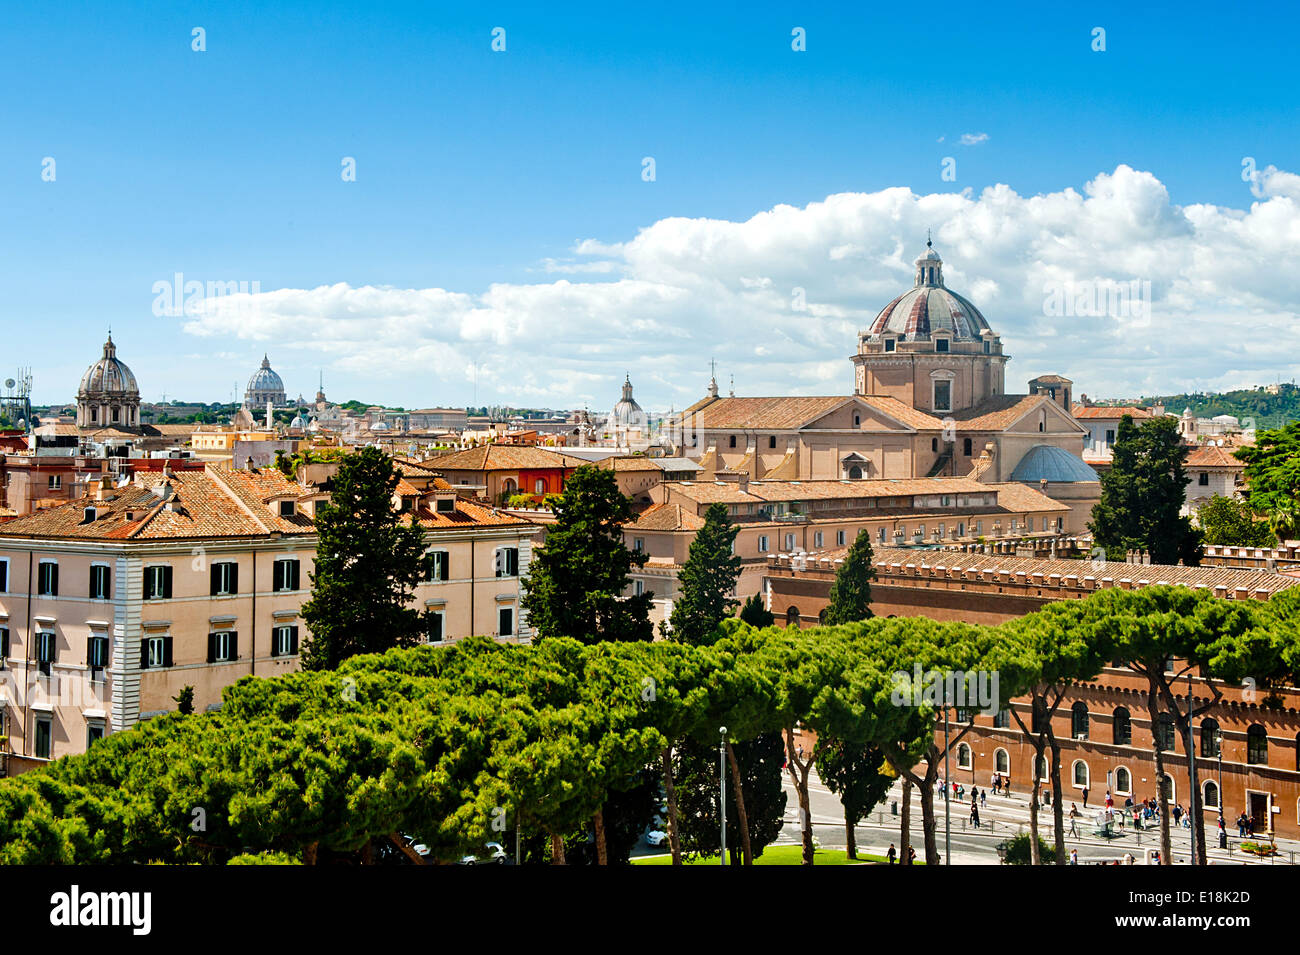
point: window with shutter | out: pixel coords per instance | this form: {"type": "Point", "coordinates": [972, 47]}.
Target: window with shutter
{"type": "Point", "coordinates": [4, 645]}
{"type": "Point", "coordinates": [99, 582]}
{"type": "Point", "coordinates": [4, 576]}
{"type": "Point", "coordinates": [48, 579]}
{"type": "Point", "coordinates": [225, 579]}
{"type": "Point", "coordinates": [45, 651]}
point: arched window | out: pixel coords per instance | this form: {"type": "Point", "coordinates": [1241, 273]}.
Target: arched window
{"type": "Point", "coordinates": [792, 617]}
{"type": "Point", "coordinates": [1211, 798]}
{"type": "Point", "coordinates": [1209, 738]}
{"type": "Point", "coordinates": [821, 617]}
{"type": "Point", "coordinates": [934, 444]}
{"type": "Point", "coordinates": [1123, 781]}
{"type": "Point", "coordinates": [539, 487]}
{"type": "Point", "coordinates": [1080, 773]}
{"type": "Point", "coordinates": [1164, 735]}
{"type": "Point", "coordinates": [855, 473]}
{"type": "Point", "coordinates": [1121, 727]}
{"type": "Point", "coordinates": [1079, 720]}
{"type": "Point", "coordinates": [1257, 745]}
{"type": "Point", "coordinates": [1041, 767]}
{"type": "Point", "coordinates": [963, 756]}
{"type": "Point", "coordinates": [1001, 761]}
{"type": "Point", "coordinates": [509, 487]}
{"type": "Point", "coordinates": [1168, 788]}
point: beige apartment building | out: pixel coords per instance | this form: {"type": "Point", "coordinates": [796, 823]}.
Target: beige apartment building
{"type": "Point", "coordinates": [809, 517]}
{"type": "Point", "coordinates": [112, 604]}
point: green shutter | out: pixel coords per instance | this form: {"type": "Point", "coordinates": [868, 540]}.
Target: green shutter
{"type": "Point", "coordinates": [167, 586]}
{"type": "Point", "coordinates": [212, 647]}
{"type": "Point", "coordinates": [293, 640]}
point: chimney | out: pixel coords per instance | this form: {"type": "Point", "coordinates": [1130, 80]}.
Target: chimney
{"type": "Point", "coordinates": [744, 482]}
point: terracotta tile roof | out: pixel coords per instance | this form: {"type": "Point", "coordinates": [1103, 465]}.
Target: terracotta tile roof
{"type": "Point", "coordinates": [406, 489]}
{"type": "Point", "coordinates": [503, 457]}
{"type": "Point", "coordinates": [211, 503]}
{"type": "Point", "coordinates": [729, 492]}
{"type": "Point", "coordinates": [1110, 412]}
{"type": "Point", "coordinates": [665, 517]}
{"type": "Point", "coordinates": [995, 414]}
{"type": "Point", "coordinates": [774, 414]}
{"type": "Point", "coordinates": [468, 514]}
{"type": "Point", "coordinates": [1211, 577]}
{"type": "Point", "coordinates": [637, 463]}
{"type": "Point", "coordinates": [1214, 457]}
{"type": "Point", "coordinates": [1021, 497]}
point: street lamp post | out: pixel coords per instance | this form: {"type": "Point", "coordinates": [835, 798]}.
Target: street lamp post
{"type": "Point", "coordinates": [947, 808]}
{"type": "Point", "coordinates": [722, 778]}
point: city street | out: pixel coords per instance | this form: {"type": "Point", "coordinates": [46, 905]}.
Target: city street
{"type": "Point", "coordinates": [1001, 818]}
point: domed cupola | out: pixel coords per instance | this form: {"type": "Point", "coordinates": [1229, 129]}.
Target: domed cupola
{"type": "Point", "coordinates": [928, 307]}
{"type": "Point", "coordinates": [264, 386]}
{"type": "Point", "coordinates": [108, 395]}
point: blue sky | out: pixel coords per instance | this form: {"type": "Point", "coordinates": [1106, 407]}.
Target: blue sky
{"type": "Point", "coordinates": [475, 168]}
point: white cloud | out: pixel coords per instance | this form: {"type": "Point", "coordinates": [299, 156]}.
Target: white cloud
{"type": "Point", "coordinates": [1224, 283]}
{"type": "Point", "coordinates": [974, 139]}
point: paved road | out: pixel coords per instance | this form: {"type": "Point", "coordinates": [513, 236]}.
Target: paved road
{"type": "Point", "coordinates": [1001, 818]}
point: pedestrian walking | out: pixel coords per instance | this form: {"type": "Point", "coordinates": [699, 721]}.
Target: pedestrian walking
{"type": "Point", "coordinates": [1085, 797]}
{"type": "Point", "coordinates": [975, 815]}
{"type": "Point", "coordinates": [984, 797]}
{"type": "Point", "coordinates": [1074, 857]}
{"type": "Point", "coordinates": [892, 853]}
{"type": "Point", "coordinates": [1074, 815]}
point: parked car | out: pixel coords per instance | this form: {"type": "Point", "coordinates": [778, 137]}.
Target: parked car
{"type": "Point", "coordinates": [495, 855]}
{"type": "Point", "coordinates": [656, 837]}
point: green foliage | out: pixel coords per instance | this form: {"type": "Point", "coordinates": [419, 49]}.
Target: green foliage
{"type": "Point", "coordinates": [1142, 494]}
{"type": "Point", "coordinates": [368, 564]}
{"type": "Point", "coordinates": [857, 774]}
{"type": "Point", "coordinates": [184, 700]}
{"type": "Point", "coordinates": [1224, 520]}
{"type": "Point", "coordinates": [755, 614]}
{"type": "Point", "coordinates": [1266, 410]}
{"type": "Point", "coordinates": [850, 597]}
{"type": "Point", "coordinates": [577, 580]}
{"type": "Point", "coordinates": [1018, 850]}
{"type": "Point", "coordinates": [1273, 477]}
{"type": "Point", "coordinates": [695, 776]}
{"type": "Point", "coordinates": [707, 579]}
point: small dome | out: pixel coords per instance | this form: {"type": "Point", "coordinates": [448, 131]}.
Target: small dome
{"type": "Point", "coordinates": [1053, 464]}
{"type": "Point", "coordinates": [108, 377]}
{"type": "Point", "coordinates": [627, 413]}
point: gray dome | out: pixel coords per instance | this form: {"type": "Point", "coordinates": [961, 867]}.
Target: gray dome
{"type": "Point", "coordinates": [1053, 464]}
{"type": "Point", "coordinates": [627, 413]}
{"type": "Point", "coordinates": [264, 379]}
{"type": "Point", "coordinates": [108, 377]}
{"type": "Point", "coordinates": [930, 307]}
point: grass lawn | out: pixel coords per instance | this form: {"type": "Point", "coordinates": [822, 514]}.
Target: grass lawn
{"type": "Point", "coordinates": [774, 855]}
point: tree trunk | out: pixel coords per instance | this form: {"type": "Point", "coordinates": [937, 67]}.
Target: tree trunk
{"type": "Point", "coordinates": [850, 837]}
{"type": "Point", "coordinates": [309, 853]}
{"type": "Point", "coordinates": [557, 850]}
{"type": "Point", "coordinates": [1058, 814]}
{"type": "Point", "coordinates": [741, 818]}
{"type": "Point", "coordinates": [799, 775]}
{"type": "Point", "coordinates": [674, 844]}
{"type": "Point", "coordinates": [368, 853]}
{"type": "Point", "coordinates": [1160, 772]}
{"type": "Point", "coordinates": [905, 827]}
{"type": "Point", "coordinates": [1035, 857]}
{"type": "Point", "coordinates": [928, 823]}
{"type": "Point", "coordinates": [602, 850]}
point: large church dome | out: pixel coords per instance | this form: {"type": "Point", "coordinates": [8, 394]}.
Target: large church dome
{"type": "Point", "coordinates": [108, 377]}
{"type": "Point", "coordinates": [929, 307]}
{"type": "Point", "coordinates": [264, 386]}
{"type": "Point", "coordinates": [627, 413]}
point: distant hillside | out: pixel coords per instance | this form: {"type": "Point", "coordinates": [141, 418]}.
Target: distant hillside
{"type": "Point", "coordinates": [1268, 410]}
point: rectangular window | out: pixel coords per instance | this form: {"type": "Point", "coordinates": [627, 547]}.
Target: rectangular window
{"type": "Point", "coordinates": [45, 651]}
{"type": "Point", "coordinates": [155, 652]}
{"type": "Point", "coordinates": [287, 509]}
{"type": "Point", "coordinates": [47, 579]}
{"type": "Point", "coordinates": [941, 345]}
{"type": "Point", "coordinates": [96, 654]}
{"type": "Point", "coordinates": [817, 539]}
{"type": "Point", "coordinates": [437, 630]}
{"type": "Point", "coordinates": [284, 574]}
{"type": "Point", "coordinates": [44, 737]}
{"type": "Point", "coordinates": [158, 582]}
{"type": "Point", "coordinates": [55, 482]}
{"type": "Point", "coordinates": [1110, 436]}
{"type": "Point", "coordinates": [506, 622]}
{"type": "Point", "coordinates": [733, 441]}
{"type": "Point", "coordinates": [94, 733]}
{"type": "Point", "coordinates": [762, 544]}
{"type": "Point", "coordinates": [4, 576]}
{"type": "Point", "coordinates": [789, 542]}
{"type": "Point", "coordinates": [943, 396]}
{"type": "Point", "coordinates": [839, 538]}
{"type": "Point", "coordinates": [1204, 479]}
{"type": "Point", "coordinates": [225, 578]}
{"type": "Point", "coordinates": [771, 441]}
{"type": "Point", "coordinates": [284, 641]}
{"type": "Point", "coordinates": [223, 646]}
{"type": "Point", "coordinates": [4, 645]}
{"type": "Point", "coordinates": [638, 544]}
{"type": "Point", "coordinates": [638, 587]}
{"type": "Point", "coordinates": [100, 577]}
{"type": "Point", "coordinates": [889, 344]}
{"type": "Point", "coordinates": [1002, 719]}
{"type": "Point", "coordinates": [507, 562]}
{"type": "Point", "coordinates": [883, 534]}
{"type": "Point", "coordinates": [987, 348]}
